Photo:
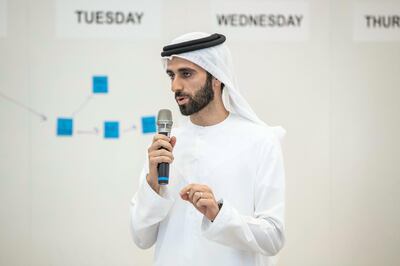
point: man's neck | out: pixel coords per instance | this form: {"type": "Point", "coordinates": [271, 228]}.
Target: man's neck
{"type": "Point", "coordinates": [214, 113]}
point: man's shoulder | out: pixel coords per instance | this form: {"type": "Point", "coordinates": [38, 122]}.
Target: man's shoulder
{"type": "Point", "coordinates": [253, 131]}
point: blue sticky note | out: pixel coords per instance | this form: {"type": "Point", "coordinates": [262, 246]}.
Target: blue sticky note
{"type": "Point", "coordinates": [64, 126]}
{"type": "Point", "coordinates": [149, 124]}
{"type": "Point", "coordinates": [111, 130]}
{"type": "Point", "coordinates": [100, 84]}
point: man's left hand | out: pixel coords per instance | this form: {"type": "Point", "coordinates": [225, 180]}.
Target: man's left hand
{"type": "Point", "coordinates": [202, 198]}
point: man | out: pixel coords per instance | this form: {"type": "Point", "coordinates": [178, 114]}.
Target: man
{"type": "Point", "coordinates": [224, 204]}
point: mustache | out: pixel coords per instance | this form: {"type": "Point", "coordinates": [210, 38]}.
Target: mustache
{"type": "Point", "coordinates": [181, 94]}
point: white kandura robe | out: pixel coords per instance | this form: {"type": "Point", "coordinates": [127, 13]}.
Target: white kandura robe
{"type": "Point", "coordinates": [242, 163]}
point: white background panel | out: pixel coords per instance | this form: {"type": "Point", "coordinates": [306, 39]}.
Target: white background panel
{"type": "Point", "coordinates": [3, 18]}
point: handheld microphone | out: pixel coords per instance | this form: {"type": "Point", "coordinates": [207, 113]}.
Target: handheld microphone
{"type": "Point", "coordinates": [164, 123]}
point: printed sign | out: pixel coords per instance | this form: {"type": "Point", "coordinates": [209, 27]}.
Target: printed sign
{"type": "Point", "coordinates": [271, 21]}
{"type": "Point", "coordinates": [119, 19]}
{"type": "Point", "coordinates": [376, 21]}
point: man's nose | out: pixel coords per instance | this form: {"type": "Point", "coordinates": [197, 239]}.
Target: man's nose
{"type": "Point", "coordinates": [176, 84]}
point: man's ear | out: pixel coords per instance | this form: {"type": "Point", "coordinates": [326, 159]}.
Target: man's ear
{"type": "Point", "coordinates": [216, 83]}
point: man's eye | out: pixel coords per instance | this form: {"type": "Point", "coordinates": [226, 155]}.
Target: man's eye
{"type": "Point", "coordinates": [171, 76]}
{"type": "Point", "coordinates": [186, 74]}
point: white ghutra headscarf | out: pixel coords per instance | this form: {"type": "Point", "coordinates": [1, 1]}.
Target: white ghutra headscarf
{"type": "Point", "coordinates": [217, 60]}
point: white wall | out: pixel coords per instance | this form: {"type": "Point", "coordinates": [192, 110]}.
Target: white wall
{"type": "Point", "coordinates": [64, 201]}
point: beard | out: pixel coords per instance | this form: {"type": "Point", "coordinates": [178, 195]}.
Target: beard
{"type": "Point", "coordinates": [199, 100]}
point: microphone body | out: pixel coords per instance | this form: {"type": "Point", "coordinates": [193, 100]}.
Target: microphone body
{"type": "Point", "coordinates": [164, 123]}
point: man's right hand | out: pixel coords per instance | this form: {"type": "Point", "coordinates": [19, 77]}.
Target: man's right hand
{"type": "Point", "coordinates": [160, 151]}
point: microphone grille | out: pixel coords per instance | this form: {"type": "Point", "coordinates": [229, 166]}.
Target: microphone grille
{"type": "Point", "coordinates": [164, 115]}
{"type": "Point", "coordinates": [164, 121]}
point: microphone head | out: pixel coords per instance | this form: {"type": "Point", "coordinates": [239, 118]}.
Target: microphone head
{"type": "Point", "coordinates": [164, 120]}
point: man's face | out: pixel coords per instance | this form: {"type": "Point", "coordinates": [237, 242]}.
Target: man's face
{"type": "Point", "coordinates": [192, 85]}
